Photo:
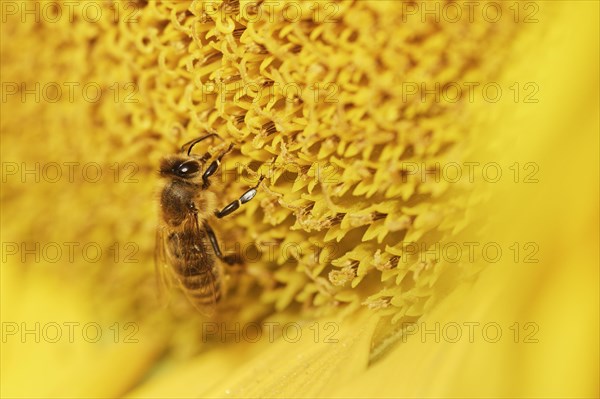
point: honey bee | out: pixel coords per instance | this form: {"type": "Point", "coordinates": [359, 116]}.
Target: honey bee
{"type": "Point", "coordinates": [187, 250]}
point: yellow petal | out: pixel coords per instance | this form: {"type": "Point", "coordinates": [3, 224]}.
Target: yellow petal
{"type": "Point", "coordinates": [529, 326]}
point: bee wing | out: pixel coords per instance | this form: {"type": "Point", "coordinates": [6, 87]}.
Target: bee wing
{"type": "Point", "coordinates": [204, 294]}
{"type": "Point", "coordinates": [204, 299]}
{"type": "Point", "coordinates": [164, 278]}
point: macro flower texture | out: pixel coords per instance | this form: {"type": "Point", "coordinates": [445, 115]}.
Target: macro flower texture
{"type": "Point", "coordinates": [424, 224]}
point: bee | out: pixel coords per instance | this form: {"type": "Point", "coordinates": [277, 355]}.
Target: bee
{"type": "Point", "coordinates": [187, 250]}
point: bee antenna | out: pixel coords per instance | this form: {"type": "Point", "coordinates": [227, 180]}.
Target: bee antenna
{"type": "Point", "coordinates": [192, 143]}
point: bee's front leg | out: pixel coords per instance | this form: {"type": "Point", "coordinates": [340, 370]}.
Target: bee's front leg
{"type": "Point", "coordinates": [246, 197]}
{"type": "Point", "coordinates": [212, 168]}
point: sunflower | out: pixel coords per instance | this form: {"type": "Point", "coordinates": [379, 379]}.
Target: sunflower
{"type": "Point", "coordinates": [426, 223]}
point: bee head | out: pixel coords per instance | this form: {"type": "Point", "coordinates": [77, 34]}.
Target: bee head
{"type": "Point", "coordinates": [180, 166]}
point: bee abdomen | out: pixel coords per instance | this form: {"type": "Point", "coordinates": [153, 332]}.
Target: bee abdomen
{"type": "Point", "coordinates": [197, 281]}
{"type": "Point", "coordinates": [204, 297]}
{"type": "Point", "coordinates": [202, 286]}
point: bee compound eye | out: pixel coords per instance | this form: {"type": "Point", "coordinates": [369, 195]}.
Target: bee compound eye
{"type": "Point", "coordinates": [188, 168]}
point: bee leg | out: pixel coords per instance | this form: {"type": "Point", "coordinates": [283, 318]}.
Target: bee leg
{"type": "Point", "coordinates": [246, 197]}
{"type": "Point", "coordinates": [229, 259]}
{"type": "Point", "coordinates": [212, 168]}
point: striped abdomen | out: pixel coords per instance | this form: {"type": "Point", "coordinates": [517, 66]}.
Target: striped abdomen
{"type": "Point", "coordinates": [195, 266]}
